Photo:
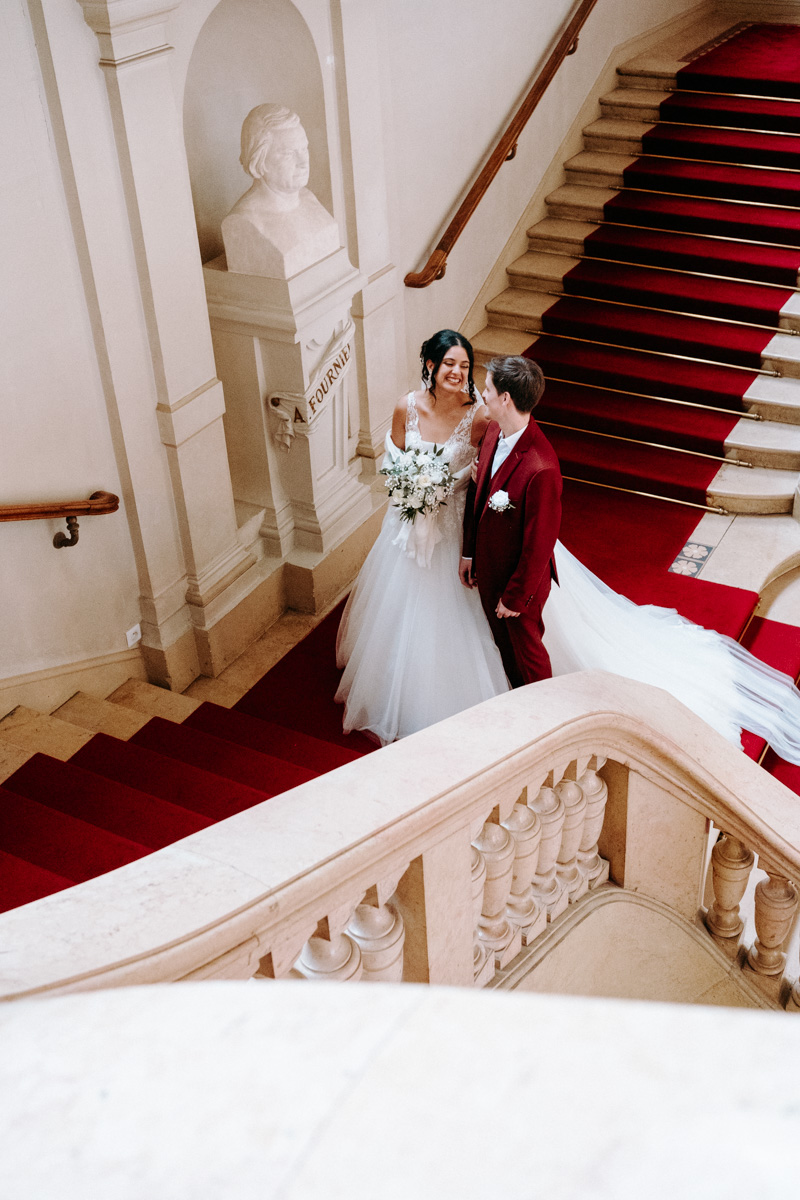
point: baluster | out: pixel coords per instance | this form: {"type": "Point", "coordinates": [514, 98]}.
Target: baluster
{"type": "Point", "coordinates": [548, 891]}
{"type": "Point", "coordinates": [793, 1003]}
{"type": "Point", "coordinates": [522, 910]}
{"type": "Point", "coordinates": [330, 953]}
{"type": "Point", "coordinates": [283, 954]}
{"type": "Point", "coordinates": [498, 935]}
{"type": "Point", "coordinates": [731, 864]}
{"type": "Point", "coordinates": [776, 904]}
{"type": "Point", "coordinates": [571, 878]}
{"type": "Point", "coordinates": [482, 961]}
{"type": "Point", "coordinates": [378, 931]}
{"type": "Point", "coordinates": [595, 789]}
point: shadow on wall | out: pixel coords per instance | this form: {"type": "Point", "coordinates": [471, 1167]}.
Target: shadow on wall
{"type": "Point", "coordinates": [248, 52]}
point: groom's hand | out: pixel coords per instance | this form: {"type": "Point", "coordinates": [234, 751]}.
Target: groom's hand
{"type": "Point", "coordinates": [502, 611]}
{"type": "Point", "coordinates": [465, 573]}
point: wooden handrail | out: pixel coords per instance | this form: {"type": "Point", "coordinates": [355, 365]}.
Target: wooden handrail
{"type": "Point", "coordinates": [505, 150]}
{"type": "Point", "coordinates": [97, 505]}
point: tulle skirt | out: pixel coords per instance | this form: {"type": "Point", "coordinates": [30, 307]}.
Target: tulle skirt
{"type": "Point", "coordinates": [414, 642]}
{"type": "Point", "coordinates": [590, 627]}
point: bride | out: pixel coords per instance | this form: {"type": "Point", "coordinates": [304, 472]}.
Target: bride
{"type": "Point", "coordinates": [416, 646]}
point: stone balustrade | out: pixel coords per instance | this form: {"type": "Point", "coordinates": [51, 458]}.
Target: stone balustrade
{"type": "Point", "coordinates": [442, 857]}
{"type": "Point", "coordinates": [775, 908]}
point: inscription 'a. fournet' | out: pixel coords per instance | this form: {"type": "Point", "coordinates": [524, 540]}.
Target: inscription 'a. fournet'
{"type": "Point", "coordinates": [329, 378]}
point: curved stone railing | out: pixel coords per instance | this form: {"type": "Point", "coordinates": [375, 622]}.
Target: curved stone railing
{"type": "Point", "coordinates": [437, 858]}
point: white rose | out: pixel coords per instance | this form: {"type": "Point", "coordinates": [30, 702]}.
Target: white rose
{"type": "Point", "coordinates": [499, 501]}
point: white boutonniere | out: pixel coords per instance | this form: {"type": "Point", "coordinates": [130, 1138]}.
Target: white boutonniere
{"type": "Point", "coordinates": [499, 502]}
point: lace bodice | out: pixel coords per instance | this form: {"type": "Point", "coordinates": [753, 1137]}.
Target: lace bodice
{"type": "Point", "coordinates": [458, 448]}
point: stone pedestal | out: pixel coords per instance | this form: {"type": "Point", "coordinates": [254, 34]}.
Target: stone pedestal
{"type": "Point", "coordinates": [284, 351]}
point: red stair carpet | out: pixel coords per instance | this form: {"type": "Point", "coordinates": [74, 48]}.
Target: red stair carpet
{"type": "Point", "coordinates": [666, 318]}
{"type": "Point", "coordinates": [114, 801]}
{"type": "Point", "coordinates": [762, 60]}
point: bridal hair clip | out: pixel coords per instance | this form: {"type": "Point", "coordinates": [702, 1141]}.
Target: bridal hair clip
{"type": "Point", "coordinates": [499, 502]}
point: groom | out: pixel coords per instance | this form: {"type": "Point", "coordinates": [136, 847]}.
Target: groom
{"type": "Point", "coordinates": [512, 518]}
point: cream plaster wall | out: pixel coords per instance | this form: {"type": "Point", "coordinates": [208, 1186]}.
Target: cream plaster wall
{"type": "Point", "coordinates": [458, 70]}
{"type": "Point", "coordinates": [58, 605]}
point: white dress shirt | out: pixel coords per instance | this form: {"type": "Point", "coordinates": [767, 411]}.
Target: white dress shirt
{"type": "Point", "coordinates": [504, 447]}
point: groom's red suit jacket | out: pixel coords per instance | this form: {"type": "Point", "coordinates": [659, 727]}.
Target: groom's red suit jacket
{"type": "Point", "coordinates": [512, 551]}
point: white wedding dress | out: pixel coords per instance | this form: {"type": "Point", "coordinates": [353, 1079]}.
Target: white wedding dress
{"type": "Point", "coordinates": [416, 647]}
{"type": "Point", "coordinates": [414, 642]}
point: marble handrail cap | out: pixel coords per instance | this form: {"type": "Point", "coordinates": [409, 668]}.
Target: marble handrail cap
{"type": "Point", "coordinates": [291, 1090]}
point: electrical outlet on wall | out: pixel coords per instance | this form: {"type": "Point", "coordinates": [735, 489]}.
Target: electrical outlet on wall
{"type": "Point", "coordinates": [133, 636]}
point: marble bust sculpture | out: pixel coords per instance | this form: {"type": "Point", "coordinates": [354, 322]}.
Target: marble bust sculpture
{"type": "Point", "coordinates": [278, 227]}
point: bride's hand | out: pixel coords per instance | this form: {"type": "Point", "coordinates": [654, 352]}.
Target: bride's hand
{"type": "Point", "coordinates": [474, 471]}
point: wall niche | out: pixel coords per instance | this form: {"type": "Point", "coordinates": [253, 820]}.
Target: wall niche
{"type": "Point", "coordinates": [248, 52]}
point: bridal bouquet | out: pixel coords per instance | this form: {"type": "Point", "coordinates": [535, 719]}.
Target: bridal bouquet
{"type": "Point", "coordinates": [419, 483]}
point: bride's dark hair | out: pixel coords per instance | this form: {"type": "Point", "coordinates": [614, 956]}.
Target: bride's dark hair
{"type": "Point", "coordinates": [434, 350]}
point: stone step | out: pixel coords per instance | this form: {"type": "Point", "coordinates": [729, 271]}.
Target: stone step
{"type": "Point", "coordinates": [154, 701]}
{"type": "Point", "coordinates": [776, 398]}
{"type": "Point", "coordinates": [539, 271]}
{"type": "Point", "coordinates": [623, 137]}
{"type": "Point", "coordinates": [11, 758]}
{"type": "Point", "coordinates": [556, 236]}
{"type": "Point", "coordinates": [633, 104]}
{"type": "Point", "coordinates": [38, 732]}
{"type": "Point", "coordinates": [598, 168]}
{"type": "Point", "coordinates": [771, 444]}
{"type": "Point", "coordinates": [579, 202]}
{"type": "Point", "coordinates": [648, 75]}
{"type": "Point", "coordinates": [519, 308]}
{"type": "Point", "coordinates": [102, 716]}
{"type": "Point", "coordinates": [498, 339]}
{"type": "Point", "coordinates": [757, 490]}
{"type": "Point", "coordinates": [657, 68]}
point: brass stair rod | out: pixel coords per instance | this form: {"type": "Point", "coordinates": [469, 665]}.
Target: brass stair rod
{"type": "Point", "coordinates": [569, 337]}
{"type": "Point", "coordinates": [706, 237]}
{"type": "Point", "coordinates": [650, 495]}
{"type": "Point", "coordinates": [749, 416]}
{"type": "Point", "coordinates": [626, 262]}
{"type": "Point", "coordinates": [665, 354]}
{"type": "Point", "coordinates": [677, 312]}
{"type": "Point", "coordinates": [729, 129]}
{"type": "Point", "coordinates": [618, 437]}
{"type": "Point", "coordinates": [721, 199]}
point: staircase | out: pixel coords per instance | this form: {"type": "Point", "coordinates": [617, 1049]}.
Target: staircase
{"type": "Point", "coordinates": [659, 295]}
{"type": "Point", "coordinates": [100, 783]}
